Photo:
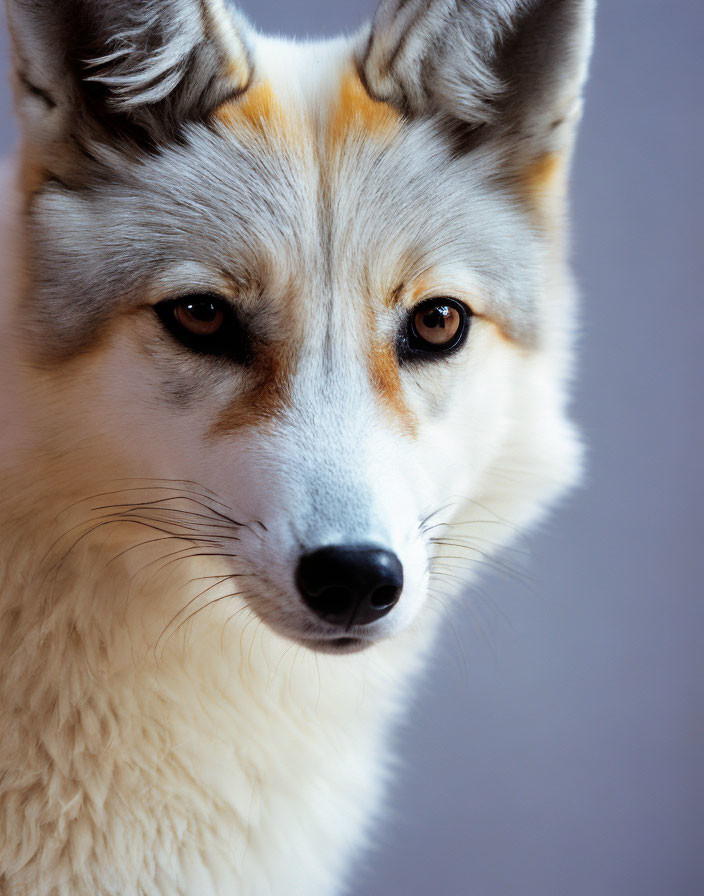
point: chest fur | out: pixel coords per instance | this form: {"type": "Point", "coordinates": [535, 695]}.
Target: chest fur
{"type": "Point", "coordinates": [227, 764]}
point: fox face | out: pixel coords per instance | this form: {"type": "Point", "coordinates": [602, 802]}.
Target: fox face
{"type": "Point", "coordinates": [308, 304]}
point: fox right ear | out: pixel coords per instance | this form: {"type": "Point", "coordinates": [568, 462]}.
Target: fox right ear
{"type": "Point", "coordinates": [125, 72]}
{"type": "Point", "coordinates": [513, 68]}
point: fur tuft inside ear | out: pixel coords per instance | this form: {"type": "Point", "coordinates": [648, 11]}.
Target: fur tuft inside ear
{"type": "Point", "coordinates": [152, 58]}
{"type": "Point", "coordinates": [414, 43]}
{"type": "Point", "coordinates": [102, 71]}
{"type": "Point", "coordinates": [509, 67]}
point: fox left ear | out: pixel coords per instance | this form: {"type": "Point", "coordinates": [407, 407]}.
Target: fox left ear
{"type": "Point", "coordinates": [509, 69]}
{"type": "Point", "coordinates": [92, 73]}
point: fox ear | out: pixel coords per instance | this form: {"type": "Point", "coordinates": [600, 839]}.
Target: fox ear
{"type": "Point", "coordinates": [507, 68]}
{"type": "Point", "coordinates": [132, 71]}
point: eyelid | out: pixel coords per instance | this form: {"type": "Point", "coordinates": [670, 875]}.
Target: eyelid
{"type": "Point", "coordinates": [439, 298]}
{"type": "Point", "coordinates": [183, 295]}
{"type": "Point", "coordinates": [439, 301]}
{"type": "Point", "coordinates": [190, 278]}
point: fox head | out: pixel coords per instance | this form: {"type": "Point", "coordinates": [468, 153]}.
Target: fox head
{"type": "Point", "coordinates": [307, 302]}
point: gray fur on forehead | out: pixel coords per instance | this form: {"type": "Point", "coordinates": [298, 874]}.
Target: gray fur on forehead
{"type": "Point", "coordinates": [248, 212]}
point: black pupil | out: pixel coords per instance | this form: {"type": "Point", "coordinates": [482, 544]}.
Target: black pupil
{"type": "Point", "coordinates": [203, 311]}
{"type": "Point", "coordinates": [436, 317]}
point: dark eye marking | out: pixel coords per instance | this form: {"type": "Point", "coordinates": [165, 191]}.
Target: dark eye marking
{"type": "Point", "coordinates": [434, 328]}
{"type": "Point", "coordinates": [207, 325]}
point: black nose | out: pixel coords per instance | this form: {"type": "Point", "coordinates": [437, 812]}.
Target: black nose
{"type": "Point", "coordinates": [350, 584]}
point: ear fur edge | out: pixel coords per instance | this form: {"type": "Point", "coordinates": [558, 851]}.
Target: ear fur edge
{"type": "Point", "coordinates": [138, 69]}
{"type": "Point", "coordinates": [509, 64]}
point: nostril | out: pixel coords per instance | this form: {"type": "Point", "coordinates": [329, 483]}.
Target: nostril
{"type": "Point", "coordinates": [385, 597]}
{"type": "Point", "coordinates": [350, 584]}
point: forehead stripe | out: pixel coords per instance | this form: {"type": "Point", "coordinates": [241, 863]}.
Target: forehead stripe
{"type": "Point", "coordinates": [257, 111]}
{"type": "Point", "coordinates": [358, 114]}
{"type": "Point", "coordinates": [386, 381]}
{"type": "Point", "coordinates": [354, 115]}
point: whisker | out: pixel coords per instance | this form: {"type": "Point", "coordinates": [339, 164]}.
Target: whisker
{"type": "Point", "coordinates": [281, 659]}
{"type": "Point", "coordinates": [94, 528]}
{"type": "Point", "coordinates": [204, 591]}
{"type": "Point", "coordinates": [245, 595]}
{"type": "Point", "coordinates": [426, 519]}
{"type": "Point", "coordinates": [477, 522]}
{"type": "Point", "coordinates": [193, 487]}
{"type": "Point", "coordinates": [460, 541]}
{"type": "Point", "coordinates": [156, 505]}
{"type": "Point", "coordinates": [211, 603]}
{"type": "Point", "coordinates": [492, 564]}
{"type": "Point", "coordinates": [438, 602]}
{"type": "Point", "coordinates": [142, 544]}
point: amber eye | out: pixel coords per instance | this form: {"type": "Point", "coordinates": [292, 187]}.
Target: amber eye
{"type": "Point", "coordinates": [202, 317]}
{"type": "Point", "coordinates": [207, 325]}
{"type": "Point", "coordinates": [437, 326]}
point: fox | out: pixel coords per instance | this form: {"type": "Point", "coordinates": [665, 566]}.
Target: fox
{"type": "Point", "coordinates": [286, 351]}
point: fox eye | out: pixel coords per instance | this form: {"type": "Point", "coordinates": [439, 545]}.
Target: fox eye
{"type": "Point", "coordinates": [201, 317]}
{"type": "Point", "coordinates": [205, 324]}
{"type": "Point", "coordinates": [437, 327]}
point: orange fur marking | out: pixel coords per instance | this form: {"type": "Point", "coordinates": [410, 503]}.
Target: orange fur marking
{"type": "Point", "coordinates": [395, 296]}
{"type": "Point", "coordinates": [540, 175]}
{"type": "Point", "coordinates": [358, 114]}
{"type": "Point", "coordinates": [259, 111]}
{"type": "Point", "coordinates": [422, 289]}
{"type": "Point", "coordinates": [33, 176]}
{"type": "Point", "coordinates": [543, 184]}
{"type": "Point", "coordinates": [425, 287]}
{"type": "Point", "coordinates": [264, 400]}
{"type": "Point", "coordinates": [386, 380]}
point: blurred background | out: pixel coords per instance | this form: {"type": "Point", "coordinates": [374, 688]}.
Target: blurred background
{"type": "Point", "coordinates": [556, 746]}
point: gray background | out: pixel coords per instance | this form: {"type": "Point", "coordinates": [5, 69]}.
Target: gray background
{"type": "Point", "coordinates": [556, 747]}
